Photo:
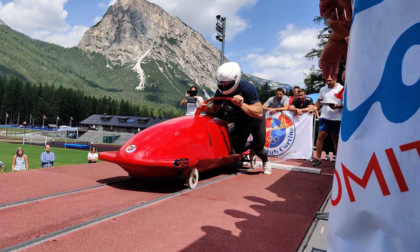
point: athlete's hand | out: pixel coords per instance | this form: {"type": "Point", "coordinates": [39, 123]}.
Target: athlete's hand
{"type": "Point", "coordinates": [238, 100]}
{"type": "Point", "coordinates": [203, 107]}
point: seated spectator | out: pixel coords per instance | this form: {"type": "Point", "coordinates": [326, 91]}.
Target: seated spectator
{"type": "Point", "coordinates": [92, 155]}
{"type": "Point", "coordinates": [302, 103]}
{"type": "Point", "coordinates": [47, 157]}
{"type": "Point", "coordinates": [2, 166]}
{"type": "Point", "coordinates": [20, 161]}
{"type": "Point", "coordinates": [276, 103]}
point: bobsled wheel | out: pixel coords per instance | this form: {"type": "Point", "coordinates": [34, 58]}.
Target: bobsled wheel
{"type": "Point", "coordinates": [253, 162]}
{"type": "Point", "coordinates": [192, 179]}
{"type": "Point", "coordinates": [247, 160]}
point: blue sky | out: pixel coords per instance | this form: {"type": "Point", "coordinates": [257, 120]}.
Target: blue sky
{"type": "Point", "coordinates": [268, 38]}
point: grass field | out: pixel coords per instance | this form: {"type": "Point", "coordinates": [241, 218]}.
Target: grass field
{"type": "Point", "coordinates": [62, 156]}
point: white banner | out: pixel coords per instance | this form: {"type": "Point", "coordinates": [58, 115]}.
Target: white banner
{"type": "Point", "coordinates": [288, 135]}
{"type": "Point", "coordinates": [376, 190]}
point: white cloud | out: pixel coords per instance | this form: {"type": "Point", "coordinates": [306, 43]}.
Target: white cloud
{"type": "Point", "coordinates": [112, 2]}
{"type": "Point", "coordinates": [97, 19]}
{"type": "Point", "coordinates": [199, 18]}
{"type": "Point", "coordinates": [43, 20]}
{"type": "Point", "coordinates": [67, 39]}
{"type": "Point", "coordinates": [102, 5]}
{"type": "Point", "coordinates": [26, 15]}
{"type": "Point", "coordinates": [286, 62]}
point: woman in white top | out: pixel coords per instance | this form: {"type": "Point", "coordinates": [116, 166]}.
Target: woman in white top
{"type": "Point", "coordinates": [20, 161]}
{"type": "Point", "coordinates": [192, 100]}
{"type": "Point", "coordinates": [92, 155]}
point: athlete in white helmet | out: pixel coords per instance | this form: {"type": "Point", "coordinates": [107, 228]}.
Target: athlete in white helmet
{"type": "Point", "coordinates": [247, 110]}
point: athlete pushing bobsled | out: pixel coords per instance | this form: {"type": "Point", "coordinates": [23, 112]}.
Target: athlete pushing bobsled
{"type": "Point", "coordinates": [247, 112]}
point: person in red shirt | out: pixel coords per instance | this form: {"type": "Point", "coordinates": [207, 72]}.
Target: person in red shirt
{"type": "Point", "coordinates": [302, 103]}
{"type": "Point", "coordinates": [295, 94]}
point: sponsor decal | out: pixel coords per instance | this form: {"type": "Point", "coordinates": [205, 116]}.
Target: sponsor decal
{"type": "Point", "coordinates": [130, 149]}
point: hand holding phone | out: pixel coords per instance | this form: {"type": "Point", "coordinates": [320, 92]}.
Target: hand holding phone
{"type": "Point", "coordinates": [192, 93]}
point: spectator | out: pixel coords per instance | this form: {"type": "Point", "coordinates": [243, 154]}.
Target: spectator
{"type": "Point", "coordinates": [92, 155]}
{"type": "Point", "coordinates": [2, 166]}
{"type": "Point", "coordinates": [47, 157]}
{"type": "Point", "coordinates": [192, 99]}
{"type": "Point", "coordinates": [249, 117]}
{"type": "Point", "coordinates": [277, 103]}
{"type": "Point", "coordinates": [20, 161]}
{"type": "Point", "coordinates": [302, 103]}
{"type": "Point", "coordinates": [295, 94]}
{"type": "Point", "coordinates": [330, 119]}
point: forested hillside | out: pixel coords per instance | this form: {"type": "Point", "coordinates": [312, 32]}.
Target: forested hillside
{"type": "Point", "coordinates": [90, 73]}
{"type": "Point", "coordinates": [22, 101]}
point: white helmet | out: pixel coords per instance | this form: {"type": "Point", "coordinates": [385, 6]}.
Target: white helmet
{"type": "Point", "coordinates": [230, 75]}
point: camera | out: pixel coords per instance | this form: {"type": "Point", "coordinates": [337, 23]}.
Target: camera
{"type": "Point", "coordinates": [192, 93]}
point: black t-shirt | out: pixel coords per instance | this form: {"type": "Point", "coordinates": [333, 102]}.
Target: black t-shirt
{"type": "Point", "coordinates": [299, 105]}
{"type": "Point", "coordinates": [232, 112]}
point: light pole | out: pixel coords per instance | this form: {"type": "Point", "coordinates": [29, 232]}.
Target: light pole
{"type": "Point", "coordinates": [221, 28]}
{"type": "Point", "coordinates": [56, 122]}
{"type": "Point", "coordinates": [24, 129]}
{"type": "Point", "coordinates": [5, 122]}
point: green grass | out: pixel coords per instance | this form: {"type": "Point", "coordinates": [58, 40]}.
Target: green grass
{"type": "Point", "coordinates": [62, 156]}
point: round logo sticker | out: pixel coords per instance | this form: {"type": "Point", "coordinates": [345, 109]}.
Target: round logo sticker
{"type": "Point", "coordinates": [280, 134]}
{"type": "Point", "coordinates": [131, 148]}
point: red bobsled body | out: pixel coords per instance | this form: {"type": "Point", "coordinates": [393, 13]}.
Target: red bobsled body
{"type": "Point", "coordinates": [174, 147]}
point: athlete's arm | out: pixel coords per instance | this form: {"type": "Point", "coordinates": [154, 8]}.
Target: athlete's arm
{"type": "Point", "coordinates": [210, 109]}
{"type": "Point", "coordinates": [253, 110]}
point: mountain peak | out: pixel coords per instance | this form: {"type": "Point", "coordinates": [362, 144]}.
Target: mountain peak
{"type": "Point", "coordinates": [139, 33]}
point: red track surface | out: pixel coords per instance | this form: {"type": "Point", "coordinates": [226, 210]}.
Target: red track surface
{"type": "Point", "coordinates": [247, 212]}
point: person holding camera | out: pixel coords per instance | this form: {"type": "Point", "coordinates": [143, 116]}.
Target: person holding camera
{"type": "Point", "coordinates": [192, 99]}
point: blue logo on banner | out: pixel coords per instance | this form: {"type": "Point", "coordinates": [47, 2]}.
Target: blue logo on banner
{"type": "Point", "coordinates": [399, 102]}
{"type": "Point", "coordinates": [362, 5]}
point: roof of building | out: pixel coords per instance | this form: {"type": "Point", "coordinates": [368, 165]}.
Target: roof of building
{"type": "Point", "coordinates": [122, 121]}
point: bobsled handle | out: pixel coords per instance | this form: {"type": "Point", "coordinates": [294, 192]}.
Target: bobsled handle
{"type": "Point", "coordinates": [198, 111]}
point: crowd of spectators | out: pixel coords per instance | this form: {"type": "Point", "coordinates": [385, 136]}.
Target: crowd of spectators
{"type": "Point", "coordinates": [297, 103]}
{"type": "Point", "coordinates": [328, 108]}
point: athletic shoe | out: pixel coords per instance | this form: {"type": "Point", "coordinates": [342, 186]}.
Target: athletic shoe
{"type": "Point", "coordinates": [267, 168]}
{"type": "Point", "coordinates": [327, 158]}
{"type": "Point", "coordinates": [316, 163]}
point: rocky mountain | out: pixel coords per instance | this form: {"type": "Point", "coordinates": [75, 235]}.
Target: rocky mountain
{"type": "Point", "coordinates": [272, 84]}
{"type": "Point", "coordinates": [137, 52]}
{"type": "Point", "coordinates": [156, 44]}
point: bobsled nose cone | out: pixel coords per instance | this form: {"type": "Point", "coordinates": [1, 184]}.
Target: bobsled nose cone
{"type": "Point", "coordinates": [110, 156]}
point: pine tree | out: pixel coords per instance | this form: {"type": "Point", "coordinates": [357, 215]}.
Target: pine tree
{"type": "Point", "coordinates": [314, 80]}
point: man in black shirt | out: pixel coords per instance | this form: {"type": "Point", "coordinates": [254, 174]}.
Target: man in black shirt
{"type": "Point", "coordinates": [246, 109]}
{"type": "Point", "coordinates": [302, 103]}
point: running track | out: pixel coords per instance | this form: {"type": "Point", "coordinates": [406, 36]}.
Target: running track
{"type": "Point", "coordinates": [96, 207]}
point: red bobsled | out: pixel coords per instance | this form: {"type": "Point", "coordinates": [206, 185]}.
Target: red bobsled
{"type": "Point", "coordinates": [182, 146]}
